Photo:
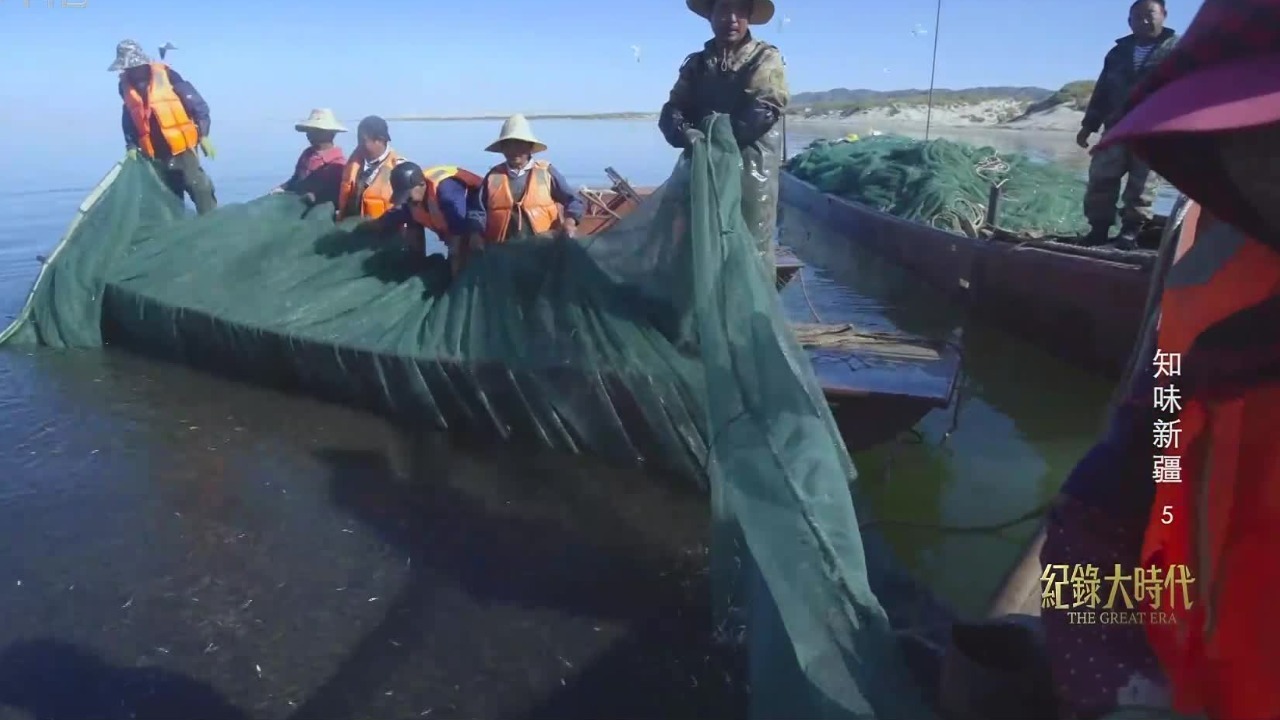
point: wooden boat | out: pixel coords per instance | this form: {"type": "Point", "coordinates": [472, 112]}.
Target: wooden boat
{"type": "Point", "coordinates": [878, 385]}
{"type": "Point", "coordinates": [1082, 304]}
{"type": "Point", "coordinates": [607, 207]}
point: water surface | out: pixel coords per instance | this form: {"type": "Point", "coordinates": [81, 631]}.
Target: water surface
{"type": "Point", "coordinates": [221, 545]}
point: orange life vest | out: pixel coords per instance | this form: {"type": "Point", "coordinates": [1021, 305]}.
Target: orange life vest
{"type": "Point", "coordinates": [1223, 519]}
{"type": "Point", "coordinates": [535, 206]}
{"type": "Point", "coordinates": [427, 213]}
{"type": "Point", "coordinates": [162, 103]}
{"type": "Point", "coordinates": [375, 201]}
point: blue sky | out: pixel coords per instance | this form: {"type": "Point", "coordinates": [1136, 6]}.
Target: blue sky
{"type": "Point", "coordinates": [273, 61]}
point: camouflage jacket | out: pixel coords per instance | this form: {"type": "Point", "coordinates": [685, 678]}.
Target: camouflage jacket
{"type": "Point", "coordinates": [748, 83]}
{"type": "Point", "coordinates": [1118, 78]}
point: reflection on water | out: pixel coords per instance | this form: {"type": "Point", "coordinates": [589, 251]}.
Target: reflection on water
{"type": "Point", "coordinates": [184, 541]}
{"type": "Point", "coordinates": [1023, 421]}
{"type": "Point", "coordinates": [312, 560]}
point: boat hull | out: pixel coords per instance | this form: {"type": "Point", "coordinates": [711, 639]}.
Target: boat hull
{"type": "Point", "coordinates": [606, 207]}
{"type": "Point", "coordinates": [871, 407]}
{"type": "Point", "coordinates": [1082, 305]}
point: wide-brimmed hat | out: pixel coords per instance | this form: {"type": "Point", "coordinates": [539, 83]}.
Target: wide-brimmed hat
{"type": "Point", "coordinates": [516, 127]}
{"type": "Point", "coordinates": [761, 10]}
{"type": "Point", "coordinates": [1224, 74]}
{"type": "Point", "coordinates": [129, 54]}
{"type": "Point", "coordinates": [320, 119]}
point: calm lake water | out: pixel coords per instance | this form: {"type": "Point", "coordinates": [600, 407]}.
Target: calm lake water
{"type": "Point", "coordinates": [172, 540]}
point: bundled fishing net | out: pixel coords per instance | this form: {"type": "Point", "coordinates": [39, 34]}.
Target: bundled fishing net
{"type": "Point", "coordinates": [946, 184]}
{"type": "Point", "coordinates": [660, 341]}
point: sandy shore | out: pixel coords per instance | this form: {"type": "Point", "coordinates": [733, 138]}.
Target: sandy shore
{"type": "Point", "coordinates": [1056, 145]}
{"type": "Point", "coordinates": [991, 115]}
{"type": "Point", "coordinates": [995, 115]}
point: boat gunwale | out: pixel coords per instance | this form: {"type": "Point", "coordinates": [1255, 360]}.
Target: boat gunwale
{"type": "Point", "coordinates": [788, 264]}
{"type": "Point", "coordinates": [1142, 259]}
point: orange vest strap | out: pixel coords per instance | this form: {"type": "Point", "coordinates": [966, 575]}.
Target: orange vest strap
{"type": "Point", "coordinates": [535, 206]}
{"type": "Point", "coordinates": [375, 199]}
{"type": "Point", "coordinates": [162, 104]}
{"type": "Point", "coordinates": [1217, 516]}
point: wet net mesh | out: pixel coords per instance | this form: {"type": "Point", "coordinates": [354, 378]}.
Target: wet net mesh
{"type": "Point", "coordinates": [947, 184]}
{"type": "Point", "coordinates": [659, 341]}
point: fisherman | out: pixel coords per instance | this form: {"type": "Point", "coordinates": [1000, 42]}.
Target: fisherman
{"type": "Point", "coordinates": [317, 176]}
{"type": "Point", "coordinates": [165, 118]}
{"type": "Point", "coordinates": [365, 190]}
{"type": "Point", "coordinates": [736, 75]}
{"type": "Point", "coordinates": [1126, 64]}
{"type": "Point", "coordinates": [435, 199]}
{"type": "Point", "coordinates": [1208, 120]}
{"type": "Point", "coordinates": [547, 203]}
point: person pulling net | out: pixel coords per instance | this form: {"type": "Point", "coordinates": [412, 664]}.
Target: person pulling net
{"type": "Point", "coordinates": [579, 345]}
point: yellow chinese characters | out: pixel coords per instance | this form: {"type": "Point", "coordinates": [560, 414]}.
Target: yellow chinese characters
{"type": "Point", "coordinates": [1075, 587]}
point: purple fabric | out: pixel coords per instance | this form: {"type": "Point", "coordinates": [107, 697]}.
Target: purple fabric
{"type": "Point", "coordinates": [1115, 474]}
{"type": "Point", "coordinates": [318, 172]}
{"type": "Point", "coordinates": [1100, 520]}
{"type": "Point", "coordinates": [312, 160]}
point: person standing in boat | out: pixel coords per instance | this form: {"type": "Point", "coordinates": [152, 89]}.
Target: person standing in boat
{"type": "Point", "coordinates": [1125, 65]}
{"type": "Point", "coordinates": [317, 176]}
{"type": "Point", "coordinates": [165, 119]}
{"type": "Point", "coordinates": [523, 197]}
{"type": "Point", "coordinates": [736, 75]}
{"type": "Point", "coordinates": [1208, 120]}
{"type": "Point", "coordinates": [365, 190]}
{"type": "Point", "coordinates": [435, 199]}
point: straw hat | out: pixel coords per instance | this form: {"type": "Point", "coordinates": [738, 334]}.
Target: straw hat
{"type": "Point", "coordinates": [516, 128]}
{"type": "Point", "coordinates": [320, 119]}
{"type": "Point", "coordinates": [761, 10]}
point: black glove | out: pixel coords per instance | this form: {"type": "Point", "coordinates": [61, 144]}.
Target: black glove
{"type": "Point", "coordinates": [673, 126]}
{"type": "Point", "coordinates": [751, 123]}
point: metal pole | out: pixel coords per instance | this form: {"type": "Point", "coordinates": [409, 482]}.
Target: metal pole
{"type": "Point", "coordinates": [933, 70]}
{"type": "Point", "coordinates": [784, 136]}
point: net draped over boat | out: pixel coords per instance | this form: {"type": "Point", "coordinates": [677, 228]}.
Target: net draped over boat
{"type": "Point", "coordinates": [947, 184]}
{"type": "Point", "coordinates": [659, 340]}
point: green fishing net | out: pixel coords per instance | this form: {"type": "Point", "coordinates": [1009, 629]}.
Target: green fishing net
{"type": "Point", "coordinates": [660, 341]}
{"type": "Point", "coordinates": [947, 184]}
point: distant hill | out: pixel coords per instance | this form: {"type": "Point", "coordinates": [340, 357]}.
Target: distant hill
{"type": "Point", "coordinates": [1004, 105]}
{"type": "Point", "coordinates": [1073, 95]}
{"type": "Point", "coordinates": [862, 99]}
{"type": "Point", "coordinates": [533, 116]}
{"type": "Point", "coordinates": [998, 104]}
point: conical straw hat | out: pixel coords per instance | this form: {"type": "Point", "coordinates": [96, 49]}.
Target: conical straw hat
{"type": "Point", "coordinates": [516, 128]}
{"type": "Point", "coordinates": [320, 119]}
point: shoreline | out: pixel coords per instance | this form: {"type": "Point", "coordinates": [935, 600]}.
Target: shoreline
{"type": "Point", "coordinates": [962, 118]}
{"type": "Point", "coordinates": [862, 125]}
{"type": "Point", "coordinates": [536, 116]}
